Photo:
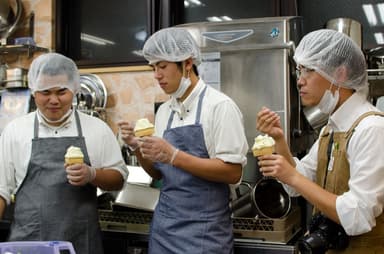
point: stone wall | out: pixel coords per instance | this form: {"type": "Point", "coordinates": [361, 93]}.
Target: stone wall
{"type": "Point", "coordinates": [132, 92]}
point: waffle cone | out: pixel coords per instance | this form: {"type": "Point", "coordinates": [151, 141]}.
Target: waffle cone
{"type": "Point", "coordinates": [263, 151]}
{"type": "Point", "coordinates": [144, 132]}
{"type": "Point", "coordinates": [74, 160]}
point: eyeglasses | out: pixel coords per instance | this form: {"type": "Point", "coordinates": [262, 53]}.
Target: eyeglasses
{"type": "Point", "coordinates": [302, 71]}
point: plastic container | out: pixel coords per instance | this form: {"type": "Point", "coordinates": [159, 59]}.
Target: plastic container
{"type": "Point", "coordinates": [37, 247]}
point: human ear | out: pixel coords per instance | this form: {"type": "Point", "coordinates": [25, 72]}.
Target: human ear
{"type": "Point", "coordinates": [341, 74]}
{"type": "Point", "coordinates": [188, 64]}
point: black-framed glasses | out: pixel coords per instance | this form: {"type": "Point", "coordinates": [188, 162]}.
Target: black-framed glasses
{"type": "Point", "coordinates": [302, 71]}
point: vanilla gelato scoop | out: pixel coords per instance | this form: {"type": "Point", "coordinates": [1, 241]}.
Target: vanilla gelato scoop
{"type": "Point", "coordinates": [143, 127]}
{"type": "Point", "coordinates": [74, 155]}
{"type": "Point", "coordinates": [263, 145]}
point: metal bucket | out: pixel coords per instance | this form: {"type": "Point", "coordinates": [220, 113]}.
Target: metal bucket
{"type": "Point", "coordinates": [348, 26]}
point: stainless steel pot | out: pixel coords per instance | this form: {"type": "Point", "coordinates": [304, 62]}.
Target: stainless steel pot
{"type": "Point", "coordinates": [348, 26]}
{"type": "Point", "coordinates": [315, 117]}
{"type": "Point", "coordinates": [16, 78]}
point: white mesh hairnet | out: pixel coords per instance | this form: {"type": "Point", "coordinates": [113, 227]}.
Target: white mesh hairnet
{"type": "Point", "coordinates": [326, 50]}
{"type": "Point", "coordinates": [53, 64]}
{"type": "Point", "coordinates": [172, 45]}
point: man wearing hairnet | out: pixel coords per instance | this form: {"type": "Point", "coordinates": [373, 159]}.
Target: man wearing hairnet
{"type": "Point", "coordinates": [198, 150]}
{"type": "Point", "coordinates": [53, 200]}
{"type": "Point", "coordinates": [342, 176]}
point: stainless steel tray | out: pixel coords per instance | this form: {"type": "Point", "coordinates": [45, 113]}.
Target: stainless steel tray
{"type": "Point", "coordinates": [138, 196]}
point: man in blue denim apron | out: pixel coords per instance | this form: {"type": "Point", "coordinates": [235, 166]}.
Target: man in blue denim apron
{"type": "Point", "coordinates": [55, 200]}
{"type": "Point", "coordinates": [46, 201]}
{"type": "Point", "coordinates": [198, 150]}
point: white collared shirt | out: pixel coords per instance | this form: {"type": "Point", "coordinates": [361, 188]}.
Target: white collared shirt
{"type": "Point", "coordinates": [358, 207]}
{"type": "Point", "coordinates": [221, 119]}
{"type": "Point", "coordinates": [16, 143]}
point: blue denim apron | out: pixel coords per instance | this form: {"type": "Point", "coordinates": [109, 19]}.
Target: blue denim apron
{"type": "Point", "coordinates": [48, 207]}
{"type": "Point", "coordinates": [192, 215]}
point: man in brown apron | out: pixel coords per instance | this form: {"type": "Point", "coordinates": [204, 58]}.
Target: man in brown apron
{"type": "Point", "coordinates": [342, 174]}
{"type": "Point", "coordinates": [53, 200]}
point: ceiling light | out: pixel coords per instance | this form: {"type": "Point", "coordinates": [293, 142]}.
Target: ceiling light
{"type": "Point", "coordinates": [380, 7]}
{"type": "Point", "coordinates": [137, 52]}
{"type": "Point", "coordinates": [379, 37]}
{"type": "Point", "coordinates": [370, 14]}
{"type": "Point", "coordinates": [226, 18]}
{"type": "Point", "coordinates": [195, 2]}
{"type": "Point", "coordinates": [192, 3]}
{"type": "Point", "coordinates": [141, 35]}
{"type": "Point", "coordinates": [95, 40]}
{"type": "Point", "coordinates": [214, 19]}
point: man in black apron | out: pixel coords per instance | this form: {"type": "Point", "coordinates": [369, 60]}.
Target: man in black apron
{"type": "Point", "coordinates": [56, 201]}
{"type": "Point", "coordinates": [199, 151]}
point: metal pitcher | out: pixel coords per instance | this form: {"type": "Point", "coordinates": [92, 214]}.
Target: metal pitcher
{"type": "Point", "coordinates": [315, 117]}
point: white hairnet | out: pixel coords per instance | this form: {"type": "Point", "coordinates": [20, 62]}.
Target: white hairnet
{"type": "Point", "coordinates": [172, 45]}
{"type": "Point", "coordinates": [52, 64]}
{"type": "Point", "coordinates": [326, 50]}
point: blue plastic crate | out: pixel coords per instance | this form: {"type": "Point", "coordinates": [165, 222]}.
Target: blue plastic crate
{"type": "Point", "coordinates": [37, 247]}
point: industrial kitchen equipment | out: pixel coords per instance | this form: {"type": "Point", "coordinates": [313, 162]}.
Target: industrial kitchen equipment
{"type": "Point", "coordinates": [250, 60]}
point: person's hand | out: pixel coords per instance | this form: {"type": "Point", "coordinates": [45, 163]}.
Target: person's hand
{"type": "Point", "coordinates": [268, 122]}
{"type": "Point", "coordinates": [157, 149]}
{"type": "Point", "coordinates": [80, 174]}
{"type": "Point", "coordinates": [277, 166]}
{"type": "Point", "coordinates": [128, 135]}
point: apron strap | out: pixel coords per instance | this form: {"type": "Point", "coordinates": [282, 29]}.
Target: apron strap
{"type": "Point", "coordinates": [170, 119]}
{"type": "Point", "coordinates": [78, 125]}
{"type": "Point", "coordinates": [198, 112]}
{"type": "Point", "coordinates": [36, 127]}
{"type": "Point", "coordinates": [351, 130]}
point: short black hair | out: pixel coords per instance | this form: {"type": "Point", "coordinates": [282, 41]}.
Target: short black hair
{"type": "Point", "coordinates": [194, 67]}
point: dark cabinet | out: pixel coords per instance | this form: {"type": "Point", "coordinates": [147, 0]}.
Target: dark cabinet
{"type": "Point", "coordinates": [94, 33]}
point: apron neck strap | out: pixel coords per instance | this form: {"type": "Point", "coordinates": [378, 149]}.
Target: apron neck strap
{"type": "Point", "coordinates": [198, 112]}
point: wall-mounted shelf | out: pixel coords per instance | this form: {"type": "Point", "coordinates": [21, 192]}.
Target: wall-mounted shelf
{"type": "Point", "coordinates": [21, 49]}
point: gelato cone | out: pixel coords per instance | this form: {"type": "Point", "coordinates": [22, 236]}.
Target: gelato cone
{"type": "Point", "coordinates": [74, 155]}
{"type": "Point", "coordinates": [143, 128]}
{"type": "Point", "coordinates": [263, 145]}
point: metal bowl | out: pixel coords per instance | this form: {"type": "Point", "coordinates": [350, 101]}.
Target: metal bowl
{"type": "Point", "coordinates": [92, 95]}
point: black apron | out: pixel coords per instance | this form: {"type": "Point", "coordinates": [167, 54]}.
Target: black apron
{"type": "Point", "coordinates": [48, 207]}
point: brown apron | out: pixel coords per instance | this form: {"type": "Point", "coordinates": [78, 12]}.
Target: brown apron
{"type": "Point", "coordinates": [337, 182]}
